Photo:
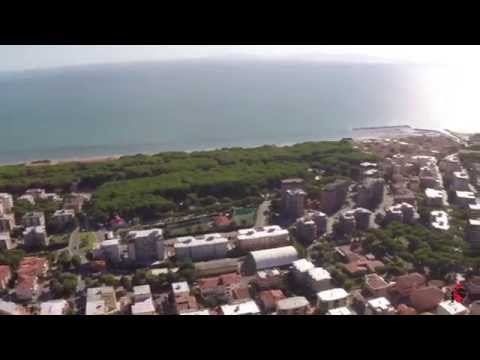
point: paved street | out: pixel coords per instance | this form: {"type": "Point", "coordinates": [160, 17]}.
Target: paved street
{"type": "Point", "coordinates": [74, 242]}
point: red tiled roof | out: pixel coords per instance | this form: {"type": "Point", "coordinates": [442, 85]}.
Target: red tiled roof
{"type": "Point", "coordinates": [185, 302]}
{"type": "Point", "coordinates": [230, 279]}
{"type": "Point", "coordinates": [427, 298]}
{"type": "Point", "coordinates": [375, 282]}
{"type": "Point", "coordinates": [269, 298]}
{"type": "Point", "coordinates": [222, 221]}
{"type": "Point", "coordinates": [32, 266]}
{"type": "Point", "coordinates": [208, 283]}
{"type": "Point", "coordinates": [409, 282]}
{"type": "Point", "coordinates": [27, 282]}
{"type": "Point", "coordinates": [403, 309]}
{"type": "Point", "coordinates": [240, 293]}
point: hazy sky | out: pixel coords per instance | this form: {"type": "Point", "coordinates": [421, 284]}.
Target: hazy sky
{"type": "Point", "coordinates": [21, 57]}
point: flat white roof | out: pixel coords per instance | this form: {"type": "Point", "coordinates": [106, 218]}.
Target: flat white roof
{"type": "Point", "coordinates": [302, 265]}
{"type": "Point", "coordinates": [63, 212]}
{"type": "Point", "coordinates": [276, 257]}
{"type": "Point", "coordinates": [433, 193]}
{"type": "Point", "coordinates": [319, 274]}
{"type": "Point", "coordinates": [10, 307]}
{"type": "Point", "coordinates": [440, 220]}
{"type": "Point", "coordinates": [332, 295]}
{"type": "Point", "coordinates": [292, 303]}
{"type": "Point", "coordinates": [380, 303]}
{"type": "Point", "coordinates": [112, 242]}
{"type": "Point", "coordinates": [292, 192]}
{"type": "Point", "coordinates": [144, 233]}
{"type": "Point", "coordinates": [465, 194]}
{"type": "Point", "coordinates": [255, 233]}
{"type": "Point", "coordinates": [98, 293]}
{"type": "Point", "coordinates": [340, 311]}
{"type": "Point", "coordinates": [199, 312]}
{"type": "Point", "coordinates": [368, 164]}
{"type": "Point", "coordinates": [474, 222]}
{"type": "Point", "coordinates": [180, 287]}
{"type": "Point", "coordinates": [143, 307]}
{"type": "Point", "coordinates": [244, 308]}
{"type": "Point", "coordinates": [36, 229]}
{"type": "Point", "coordinates": [54, 307]}
{"type": "Point", "coordinates": [209, 239]}
{"type": "Point", "coordinates": [452, 307]}
{"type": "Point", "coordinates": [474, 206]}
{"type": "Point", "coordinates": [461, 174]}
{"type": "Point", "coordinates": [96, 307]}
{"type": "Point", "coordinates": [142, 290]}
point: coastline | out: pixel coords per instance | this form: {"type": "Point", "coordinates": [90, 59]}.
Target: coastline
{"type": "Point", "coordinates": [364, 132]}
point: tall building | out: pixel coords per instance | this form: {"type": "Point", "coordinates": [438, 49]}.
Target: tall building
{"type": "Point", "coordinates": [311, 226]}
{"type": "Point", "coordinates": [146, 246]}
{"type": "Point", "coordinates": [5, 241]}
{"type": "Point", "coordinates": [34, 218]}
{"type": "Point", "coordinates": [370, 193]}
{"type": "Point", "coordinates": [294, 203]}
{"type": "Point", "coordinates": [289, 184]}
{"type": "Point", "coordinates": [7, 222]}
{"type": "Point", "coordinates": [333, 196]}
{"type": "Point", "coordinates": [6, 200]}
{"type": "Point", "coordinates": [35, 236]}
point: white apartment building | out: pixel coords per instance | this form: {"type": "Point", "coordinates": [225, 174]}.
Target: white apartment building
{"type": "Point", "coordinates": [331, 299]}
{"type": "Point", "coordinates": [63, 217]}
{"type": "Point", "coordinates": [34, 218]}
{"type": "Point", "coordinates": [5, 241]}
{"type": "Point", "coordinates": [7, 202]}
{"type": "Point", "coordinates": [318, 279]}
{"type": "Point", "coordinates": [451, 308]}
{"type": "Point", "coordinates": [435, 198]}
{"type": "Point", "coordinates": [379, 306]}
{"type": "Point", "coordinates": [7, 222]}
{"type": "Point", "coordinates": [262, 238]}
{"type": "Point", "coordinates": [101, 301]}
{"type": "Point", "coordinates": [35, 236]}
{"type": "Point", "coordinates": [439, 220]}
{"type": "Point", "coordinates": [111, 250]}
{"type": "Point", "coordinates": [202, 248]}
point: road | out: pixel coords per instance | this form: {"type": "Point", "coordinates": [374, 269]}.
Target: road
{"type": "Point", "coordinates": [262, 220]}
{"type": "Point", "coordinates": [74, 243]}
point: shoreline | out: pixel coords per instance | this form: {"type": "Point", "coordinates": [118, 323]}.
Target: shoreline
{"type": "Point", "coordinates": [370, 132]}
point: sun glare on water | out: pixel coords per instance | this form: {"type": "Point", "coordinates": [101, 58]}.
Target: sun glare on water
{"type": "Point", "coordinates": [452, 96]}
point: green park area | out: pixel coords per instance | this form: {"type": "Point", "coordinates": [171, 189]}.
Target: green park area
{"type": "Point", "coordinates": [166, 184]}
{"type": "Point", "coordinates": [87, 241]}
{"type": "Point", "coordinates": [244, 216]}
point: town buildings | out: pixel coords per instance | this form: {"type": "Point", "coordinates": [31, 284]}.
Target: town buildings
{"type": "Point", "coordinates": [262, 238]}
{"type": "Point", "coordinates": [439, 220]}
{"type": "Point", "coordinates": [182, 300]}
{"type": "Point", "coordinates": [202, 248]}
{"type": "Point", "coordinates": [333, 196]}
{"type": "Point", "coordinates": [289, 184]}
{"type": "Point", "coordinates": [35, 237]}
{"type": "Point", "coordinates": [268, 299]}
{"type": "Point", "coordinates": [269, 279]}
{"type": "Point", "coordinates": [54, 307]}
{"type": "Point", "coordinates": [111, 250]}
{"type": "Point", "coordinates": [370, 193]}
{"type": "Point", "coordinates": [146, 246]}
{"type": "Point", "coordinates": [341, 311]}
{"type": "Point", "coordinates": [426, 298]}
{"type": "Point", "coordinates": [248, 307]}
{"type": "Point", "coordinates": [403, 213]}
{"type": "Point", "coordinates": [35, 218]}
{"type": "Point", "coordinates": [379, 306]}
{"type": "Point", "coordinates": [11, 308]}
{"type": "Point", "coordinates": [311, 226]}
{"type": "Point", "coordinates": [318, 279]}
{"type": "Point", "coordinates": [101, 301]}
{"type": "Point", "coordinates": [352, 220]}
{"type": "Point", "coordinates": [74, 202]}
{"type": "Point", "coordinates": [451, 308]}
{"type": "Point", "coordinates": [7, 222]}
{"type": "Point", "coordinates": [434, 198]}
{"type": "Point", "coordinates": [332, 299]}
{"type": "Point", "coordinates": [464, 198]}
{"type": "Point", "coordinates": [30, 271]}
{"type": "Point", "coordinates": [5, 276]}
{"type": "Point", "coordinates": [5, 241]}
{"type": "Point", "coordinates": [376, 285]}
{"type": "Point", "coordinates": [143, 302]}
{"type": "Point", "coordinates": [63, 217]}
{"type": "Point", "coordinates": [472, 232]}
{"type": "Point", "coordinates": [300, 268]}
{"type": "Point", "coordinates": [6, 200]}
{"type": "Point", "coordinates": [297, 305]}
{"type": "Point", "coordinates": [294, 203]}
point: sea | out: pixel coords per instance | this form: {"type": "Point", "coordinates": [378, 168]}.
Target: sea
{"type": "Point", "coordinates": [125, 109]}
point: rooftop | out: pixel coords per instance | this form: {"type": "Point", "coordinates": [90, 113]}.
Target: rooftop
{"type": "Point", "coordinates": [145, 233]}
{"type": "Point", "coordinates": [53, 307]}
{"type": "Point", "coordinates": [474, 206]}
{"type": "Point", "coordinates": [433, 193]}
{"type": "Point", "coordinates": [64, 212]}
{"type": "Point", "coordinates": [452, 307]}
{"type": "Point", "coordinates": [111, 242]}
{"type": "Point", "coordinates": [143, 307]}
{"type": "Point", "coordinates": [292, 303]}
{"type": "Point", "coordinates": [35, 229]}
{"type": "Point", "coordinates": [332, 295]}
{"type": "Point", "coordinates": [302, 265]}
{"type": "Point", "coordinates": [190, 241]}
{"type": "Point", "coordinates": [340, 311]}
{"type": "Point", "coordinates": [465, 195]}
{"type": "Point", "coordinates": [142, 290]}
{"type": "Point", "coordinates": [319, 274]}
{"type": "Point", "coordinates": [380, 304]}
{"type": "Point", "coordinates": [439, 220]}
{"type": "Point", "coordinates": [243, 308]}
{"type": "Point", "coordinates": [274, 230]}
{"type": "Point", "coordinates": [375, 281]}
{"type": "Point", "coordinates": [180, 288]}
{"type": "Point", "coordinates": [199, 312]}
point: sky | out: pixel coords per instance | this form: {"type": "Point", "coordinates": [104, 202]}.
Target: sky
{"type": "Point", "coordinates": [26, 57]}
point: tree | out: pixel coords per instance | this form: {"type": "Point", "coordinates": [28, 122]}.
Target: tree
{"type": "Point", "coordinates": [126, 282]}
{"type": "Point", "coordinates": [76, 262]}
{"type": "Point", "coordinates": [65, 259]}
{"type": "Point", "coordinates": [69, 283]}
{"type": "Point", "coordinates": [109, 280]}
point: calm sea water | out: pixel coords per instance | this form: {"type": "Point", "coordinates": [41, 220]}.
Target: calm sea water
{"type": "Point", "coordinates": [128, 109]}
